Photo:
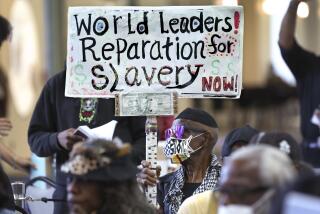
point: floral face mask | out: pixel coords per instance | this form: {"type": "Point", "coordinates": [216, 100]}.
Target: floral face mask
{"type": "Point", "coordinates": [178, 149]}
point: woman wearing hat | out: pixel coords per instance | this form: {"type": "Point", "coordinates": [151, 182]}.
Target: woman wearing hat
{"type": "Point", "coordinates": [101, 179]}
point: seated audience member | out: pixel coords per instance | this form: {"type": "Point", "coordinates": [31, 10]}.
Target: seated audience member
{"type": "Point", "coordinates": [306, 187]}
{"type": "Point", "coordinates": [287, 144]}
{"type": "Point", "coordinates": [102, 179]}
{"type": "Point", "coordinates": [236, 139]}
{"type": "Point", "coordinates": [190, 142]}
{"type": "Point", "coordinates": [248, 179]}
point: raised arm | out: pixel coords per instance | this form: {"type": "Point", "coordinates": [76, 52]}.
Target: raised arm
{"type": "Point", "coordinates": [288, 25]}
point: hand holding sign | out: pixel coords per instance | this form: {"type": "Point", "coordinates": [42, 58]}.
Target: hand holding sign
{"type": "Point", "coordinates": [147, 177]}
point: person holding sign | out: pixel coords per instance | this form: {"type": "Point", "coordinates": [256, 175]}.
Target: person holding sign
{"type": "Point", "coordinates": [189, 141]}
{"type": "Point", "coordinates": [305, 67]}
{"type": "Point", "coordinates": [55, 118]}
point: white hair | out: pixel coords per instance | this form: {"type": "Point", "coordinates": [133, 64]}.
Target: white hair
{"type": "Point", "coordinates": [275, 167]}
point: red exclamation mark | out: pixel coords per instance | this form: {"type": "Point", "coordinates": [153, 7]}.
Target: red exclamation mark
{"type": "Point", "coordinates": [236, 84]}
{"type": "Point", "coordinates": [236, 21]}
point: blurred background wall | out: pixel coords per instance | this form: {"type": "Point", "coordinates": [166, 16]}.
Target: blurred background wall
{"type": "Point", "coordinates": [268, 102]}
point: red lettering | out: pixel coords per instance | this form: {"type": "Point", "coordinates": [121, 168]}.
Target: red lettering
{"type": "Point", "coordinates": [217, 83]}
{"type": "Point", "coordinates": [206, 85]}
{"type": "Point", "coordinates": [228, 85]}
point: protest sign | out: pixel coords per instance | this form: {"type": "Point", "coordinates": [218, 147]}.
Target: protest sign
{"type": "Point", "coordinates": [194, 51]}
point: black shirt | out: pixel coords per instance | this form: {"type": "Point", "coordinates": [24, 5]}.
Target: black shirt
{"type": "Point", "coordinates": [305, 67]}
{"type": "Point", "coordinates": [188, 189]}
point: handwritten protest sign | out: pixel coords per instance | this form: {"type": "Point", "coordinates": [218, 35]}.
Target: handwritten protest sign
{"type": "Point", "coordinates": [195, 51]}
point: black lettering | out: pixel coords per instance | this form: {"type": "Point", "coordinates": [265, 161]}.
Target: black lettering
{"type": "Point", "coordinates": [216, 26]}
{"type": "Point", "coordinates": [229, 44]}
{"type": "Point", "coordinates": [149, 78]}
{"type": "Point", "coordinates": [184, 25]}
{"type": "Point", "coordinates": [162, 29]}
{"type": "Point", "coordinates": [208, 22]}
{"type": "Point", "coordinates": [196, 23]}
{"type": "Point", "coordinates": [134, 47]}
{"type": "Point", "coordinates": [229, 28]}
{"type": "Point", "coordinates": [119, 50]}
{"type": "Point", "coordinates": [178, 70]}
{"type": "Point", "coordinates": [135, 79]}
{"type": "Point", "coordinates": [89, 48]}
{"type": "Point", "coordinates": [178, 48]}
{"type": "Point", "coordinates": [106, 49]}
{"type": "Point", "coordinates": [222, 47]}
{"type": "Point", "coordinates": [193, 75]}
{"type": "Point", "coordinates": [100, 26]}
{"type": "Point", "coordinates": [196, 44]}
{"type": "Point", "coordinates": [172, 23]}
{"type": "Point", "coordinates": [116, 79]}
{"type": "Point", "coordinates": [142, 27]}
{"type": "Point", "coordinates": [167, 48]}
{"type": "Point", "coordinates": [183, 51]}
{"type": "Point", "coordinates": [213, 44]}
{"type": "Point", "coordinates": [129, 24]}
{"type": "Point", "coordinates": [158, 52]}
{"type": "Point", "coordinates": [83, 24]}
{"type": "Point", "coordinates": [99, 86]}
{"type": "Point", "coordinates": [143, 47]}
{"type": "Point", "coordinates": [115, 23]}
{"type": "Point", "coordinates": [165, 70]}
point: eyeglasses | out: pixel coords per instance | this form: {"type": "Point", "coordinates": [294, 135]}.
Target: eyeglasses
{"type": "Point", "coordinates": [178, 131]}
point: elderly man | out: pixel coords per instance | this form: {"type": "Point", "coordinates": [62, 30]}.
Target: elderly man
{"type": "Point", "coordinates": [101, 179]}
{"type": "Point", "coordinates": [247, 182]}
{"type": "Point", "coordinates": [190, 142]}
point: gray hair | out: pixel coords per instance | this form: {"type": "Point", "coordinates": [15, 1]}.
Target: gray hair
{"type": "Point", "coordinates": [275, 167]}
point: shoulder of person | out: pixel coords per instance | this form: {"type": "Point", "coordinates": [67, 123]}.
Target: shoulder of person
{"type": "Point", "coordinates": [202, 203]}
{"type": "Point", "coordinates": [57, 79]}
{"type": "Point", "coordinates": [203, 198]}
{"type": "Point", "coordinates": [167, 178]}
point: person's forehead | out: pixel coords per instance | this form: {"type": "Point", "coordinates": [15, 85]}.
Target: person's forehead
{"type": "Point", "coordinates": [83, 182]}
{"type": "Point", "coordinates": [187, 124]}
{"type": "Point", "coordinates": [240, 173]}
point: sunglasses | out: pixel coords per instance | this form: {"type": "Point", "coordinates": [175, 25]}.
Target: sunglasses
{"type": "Point", "coordinates": [176, 132]}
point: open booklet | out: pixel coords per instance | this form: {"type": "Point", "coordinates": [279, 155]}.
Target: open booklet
{"type": "Point", "coordinates": [104, 132]}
